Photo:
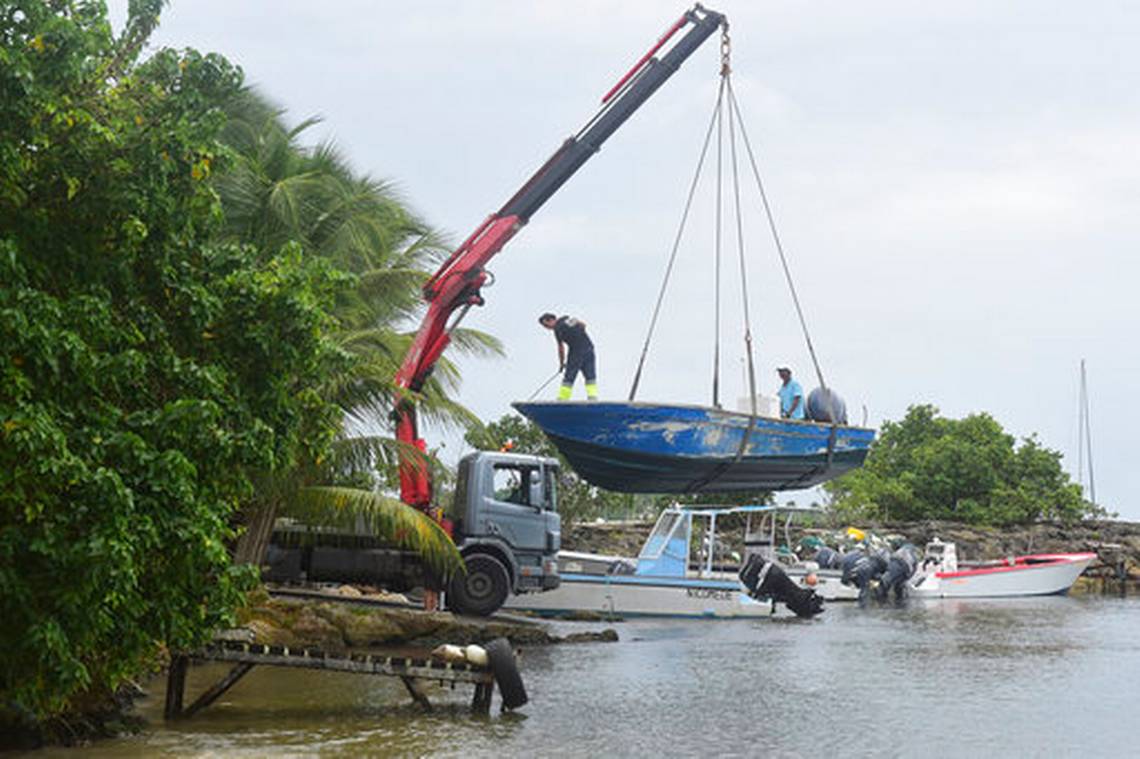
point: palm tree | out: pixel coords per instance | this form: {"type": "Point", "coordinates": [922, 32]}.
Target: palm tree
{"type": "Point", "coordinates": [279, 192]}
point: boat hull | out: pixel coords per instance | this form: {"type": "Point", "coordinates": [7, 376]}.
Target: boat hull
{"type": "Point", "coordinates": [1039, 575]}
{"type": "Point", "coordinates": [656, 448]}
{"type": "Point", "coordinates": [637, 596]}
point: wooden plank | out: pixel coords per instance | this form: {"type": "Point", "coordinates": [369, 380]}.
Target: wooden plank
{"type": "Point", "coordinates": [363, 664]}
{"type": "Point", "coordinates": [217, 689]}
{"type": "Point", "coordinates": [415, 688]}
{"type": "Point", "coordinates": [411, 670]}
{"type": "Point", "coordinates": [481, 702]}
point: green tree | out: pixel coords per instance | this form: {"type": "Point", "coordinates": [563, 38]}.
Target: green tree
{"type": "Point", "coordinates": [277, 192]}
{"type": "Point", "coordinates": [148, 373]}
{"type": "Point", "coordinates": [930, 467]}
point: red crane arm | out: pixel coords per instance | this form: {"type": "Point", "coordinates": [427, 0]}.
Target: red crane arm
{"type": "Point", "coordinates": [456, 286]}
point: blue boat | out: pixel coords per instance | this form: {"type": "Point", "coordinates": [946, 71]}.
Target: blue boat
{"type": "Point", "coordinates": [668, 448]}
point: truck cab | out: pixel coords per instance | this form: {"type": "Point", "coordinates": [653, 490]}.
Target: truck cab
{"type": "Point", "coordinates": [506, 525]}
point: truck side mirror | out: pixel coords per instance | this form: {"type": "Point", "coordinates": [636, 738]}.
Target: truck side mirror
{"type": "Point", "coordinates": [534, 480]}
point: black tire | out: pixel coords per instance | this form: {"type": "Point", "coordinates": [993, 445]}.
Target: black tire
{"type": "Point", "coordinates": [483, 589]}
{"type": "Point", "coordinates": [501, 659]}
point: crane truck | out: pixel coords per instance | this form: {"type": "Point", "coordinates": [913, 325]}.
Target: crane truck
{"type": "Point", "coordinates": [504, 513]}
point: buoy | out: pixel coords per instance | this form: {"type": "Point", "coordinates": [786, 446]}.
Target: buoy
{"type": "Point", "coordinates": [476, 655]}
{"type": "Point", "coordinates": [448, 652]}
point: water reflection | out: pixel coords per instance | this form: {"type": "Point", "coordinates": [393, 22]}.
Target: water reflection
{"type": "Point", "coordinates": [956, 677]}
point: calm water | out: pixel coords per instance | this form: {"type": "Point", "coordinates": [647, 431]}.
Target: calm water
{"type": "Point", "coordinates": [1033, 677]}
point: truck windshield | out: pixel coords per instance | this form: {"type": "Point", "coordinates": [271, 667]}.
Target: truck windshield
{"type": "Point", "coordinates": [551, 489]}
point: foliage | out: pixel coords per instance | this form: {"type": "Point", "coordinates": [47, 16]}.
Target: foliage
{"type": "Point", "coordinates": [398, 523]}
{"type": "Point", "coordinates": [930, 467]}
{"type": "Point", "coordinates": [149, 375]}
{"type": "Point", "coordinates": [279, 192]}
{"type": "Point", "coordinates": [511, 432]}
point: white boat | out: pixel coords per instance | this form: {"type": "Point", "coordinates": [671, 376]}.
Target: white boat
{"type": "Point", "coordinates": [667, 579]}
{"type": "Point", "coordinates": [676, 575]}
{"type": "Point", "coordinates": [1034, 575]}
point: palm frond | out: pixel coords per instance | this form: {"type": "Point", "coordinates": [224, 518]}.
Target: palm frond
{"type": "Point", "coordinates": [304, 125]}
{"type": "Point", "coordinates": [473, 342]}
{"type": "Point", "coordinates": [366, 452]}
{"type": "Point", "coordinates": [385, 517]}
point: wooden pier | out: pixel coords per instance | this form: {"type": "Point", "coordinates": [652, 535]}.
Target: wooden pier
{"type": "Point", "coordinates": [413, 670]}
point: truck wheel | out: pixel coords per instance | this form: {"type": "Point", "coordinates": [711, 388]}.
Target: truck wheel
{"type": "Point", "coordinates": [501, 659]}
{"type": "Point", "coordinates": [483, 589]}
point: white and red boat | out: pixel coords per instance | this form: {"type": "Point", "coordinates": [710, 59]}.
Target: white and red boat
{"type": "Point", "coordinates": [1035, 575]}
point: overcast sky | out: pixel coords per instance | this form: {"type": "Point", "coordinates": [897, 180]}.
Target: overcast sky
{"type": "Point", "coordinates": [955, 183]}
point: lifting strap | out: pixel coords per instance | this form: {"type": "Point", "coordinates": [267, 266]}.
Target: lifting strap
{"type": "Point", "coordinates": [676, 243]}
{"type": "Point", "coordinates": [727, 106]}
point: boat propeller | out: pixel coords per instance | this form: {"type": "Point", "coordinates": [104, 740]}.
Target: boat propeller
{"type": "Point", "coordinates": [765, 579]}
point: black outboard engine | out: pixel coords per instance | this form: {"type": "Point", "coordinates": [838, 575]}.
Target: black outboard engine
{"type": "Point", "coordinates": [901, 566]}
{"type": "Point", "coordinates": [828, 558]}
{"type": "Point", "coordinates": [766, 579]}
{"type": "Point", "coordinates": [826, 406]}
{"type": "Point", "coordinates": [860, 569]}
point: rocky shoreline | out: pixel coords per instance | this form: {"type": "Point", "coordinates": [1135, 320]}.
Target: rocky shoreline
{"type": "Point", "coordinates": [346, 621]}
{"type": "Point", "coordinates": [1117, 544]}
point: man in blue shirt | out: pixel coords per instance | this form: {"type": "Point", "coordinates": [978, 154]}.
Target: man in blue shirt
{"type": "Point", "coordinates": [791, 395]}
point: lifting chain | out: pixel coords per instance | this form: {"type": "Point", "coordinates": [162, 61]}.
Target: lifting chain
{"type": "Point", "coordinates": [725, 50]}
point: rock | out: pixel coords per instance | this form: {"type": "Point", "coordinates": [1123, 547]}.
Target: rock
{"type": "Point", "coordinates": [386, 597]}
{"type": "Point", "coordinates": [1084, 585]}
{"type": "Point", "coordinates": [609, 635]}
{"type": "Point", "coordinates": [273, 612]}
{"type": "Point", "coordinates": [336, 627]}
{"type": "Point", "coordinates": [235, 634]}
{"type": "Point", "coordinates": [311, 629]}
{"type": "Point", "coordinates": [588, 615]}
{"type": "Point", "coordinates": [270, 635]}
{"type": "Point", "coordinates": [365, 627]}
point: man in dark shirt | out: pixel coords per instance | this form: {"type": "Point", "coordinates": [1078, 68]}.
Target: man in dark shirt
{"type": "Point", "coordinates": [571, 333]}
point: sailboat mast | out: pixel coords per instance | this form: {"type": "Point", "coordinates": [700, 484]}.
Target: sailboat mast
{"type": "Point", "coordinates": [1084, 435]}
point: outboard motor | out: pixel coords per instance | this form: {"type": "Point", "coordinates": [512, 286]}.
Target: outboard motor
{"type": "Point", "coordinates": [850, 563]}
{"type": "Point", "coordinates": [901, 566]}
{"type": "Point", "coordinates": [828, 558]}
{"type": "Point", "coordinates": [825, 405]}
{"type": "Point", "coordinates": [860, 569]}
{"type": "Point", "coordinates": [766, 579]}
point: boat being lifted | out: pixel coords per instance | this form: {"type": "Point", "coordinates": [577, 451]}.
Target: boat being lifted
{"type": "Point", "coordinates": [636, 447]}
